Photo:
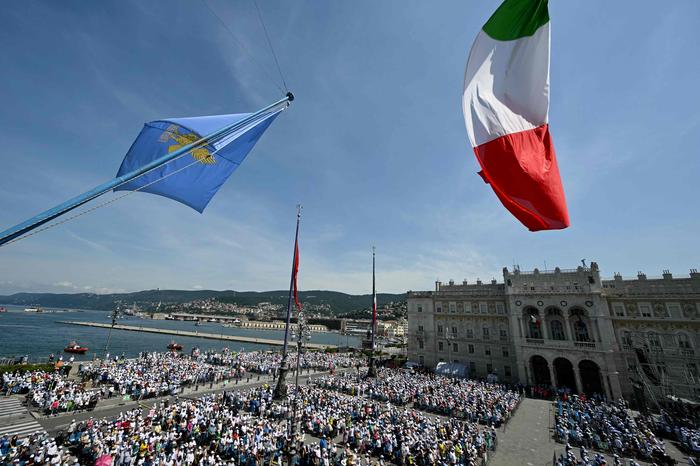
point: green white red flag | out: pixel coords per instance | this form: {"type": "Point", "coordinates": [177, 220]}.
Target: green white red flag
{"type": "Point", "coordinates": [506, 105]}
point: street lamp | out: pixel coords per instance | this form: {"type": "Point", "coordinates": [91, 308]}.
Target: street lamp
{"type": "Point", "coordinates": [300, 334]}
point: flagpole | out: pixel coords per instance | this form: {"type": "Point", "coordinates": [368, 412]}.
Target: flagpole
{"type": "Point", "coordinates": [372, 370]}
{"type": "Point", "coordinates": [281, 387]}
{"type": "Point", "coordinates": [48, 215]}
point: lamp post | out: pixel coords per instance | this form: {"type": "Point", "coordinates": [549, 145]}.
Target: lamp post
{"type": "Point", "coordinates": [115, 314]}
{"type": "Point", "coordinates": [300, 334]}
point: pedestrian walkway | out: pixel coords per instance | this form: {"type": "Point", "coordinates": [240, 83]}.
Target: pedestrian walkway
{"type": "Point", "coordinates": [22, 428]}
{"type": "Point", "coordinates": [526, 439]}
{"type": "Point", "coordinates": [11, 406]}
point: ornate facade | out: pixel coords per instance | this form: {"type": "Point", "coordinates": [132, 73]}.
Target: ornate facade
{"type": "Point", "coordinates": [565, 328]}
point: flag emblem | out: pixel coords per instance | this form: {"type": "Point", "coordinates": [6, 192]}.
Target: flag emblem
{"type": "Point", "coordinates": [172, 133]}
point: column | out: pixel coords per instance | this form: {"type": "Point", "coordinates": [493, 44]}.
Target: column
{"type": "Point", "coordinates": [577, 376]}
{"type": "Point", "coordinates": [544, 329]}
{"type": "Point", "coordinates": [567, 327]}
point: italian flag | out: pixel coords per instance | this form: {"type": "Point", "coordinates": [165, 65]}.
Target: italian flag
{"type": "Point", "coordinates": [506, 105]}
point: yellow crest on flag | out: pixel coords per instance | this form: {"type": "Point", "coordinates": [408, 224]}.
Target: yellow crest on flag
{"type": "Point", "coordinates": [172, 133]}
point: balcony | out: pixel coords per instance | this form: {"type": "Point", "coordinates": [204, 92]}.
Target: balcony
{"type": "Point", "coordinates": [585, 344]}
{"type": "Point", "coordinates": [534, 341]}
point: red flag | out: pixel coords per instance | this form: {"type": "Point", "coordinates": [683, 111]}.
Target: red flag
{"type": "Point", "coordinates": [296, 272]}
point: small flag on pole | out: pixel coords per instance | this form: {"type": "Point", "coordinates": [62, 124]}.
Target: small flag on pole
{"type": "Point", "coordinates": [296, 273]}
{"type": "Point", "coordinates": [506, 110]}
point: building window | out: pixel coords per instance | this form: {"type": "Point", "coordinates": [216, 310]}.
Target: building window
{"type": "Point", "coordinates": [489, 368]}
{"type": "Point", "coordinates": [454, 330]}
{"type": "Point", "coordinates": [455, 348]}
{"type": "Point", "coordinates": [468, 308]}
{"type": "Point", "coordinates": [487, 351]}
{"type": "Point", "coordinates": [500, 308]}
{"type": "Point", "coordinates": [645, 309]}
{"type": "Point", "coordinates": [619, 310]}
{"type": "Point", "coordinates": [472, 368]}
{"type": "Point", "coordinates": [420, 328]}
{"type": "Point", "coordinates": [581, 331]}
{"type": "Point", "coordinates": [438, 307]}
{"type": "Point", "coordinates": [420, 344]}
{"type": "Point", "coordinates": [684, 341]}
{"type": "Point", "coordinates": [453, 308]}
{"type": "Point", "coordinates": [419, 308]}
{"type": "Point", "coordinates": [485, 333]}
{"type": "Point", "coordinates": [471, 349]}
{"type": "Point", "coordinates": [421, 360]}
{"type": "Point", "coordinates": [673, 310]}
{"type": "Point", "coordinates": [557, 330]}
{"type": "Point", "coordinates": [439, 329]}
{"type": "Point", "coordinates": [483, 308]}
{"type": "Point", "coordinates": [504, 334]}
{"type": "Point", "coordinates": [440, 346]}
{"type": "Point", "coordinates": [470, 333]}
{"type": "Point", "coordinates": [627, 338]}
{"type": "Point", "coordinates": [506, 371]}
{"type": "Point", "coordinates": [534, 329]}
{"type": "Point", "coordinates": [506, 353]}
{"type": "Point", "coordinates": [654, 341]}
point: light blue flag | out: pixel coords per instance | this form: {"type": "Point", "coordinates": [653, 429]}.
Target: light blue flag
{"type": "Point", "coordinates": [194, 178]}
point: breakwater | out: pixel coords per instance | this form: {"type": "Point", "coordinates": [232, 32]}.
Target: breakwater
{"type": "Point", "coordinates": [195, 334]}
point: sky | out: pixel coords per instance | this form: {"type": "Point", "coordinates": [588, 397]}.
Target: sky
{"type": "Point", "coordinates": [374, 146]}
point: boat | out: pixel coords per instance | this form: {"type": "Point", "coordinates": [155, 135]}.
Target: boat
{"type": "Point", "coordinates": [2, 309]}
{"type": "Point", "coordinates": [175, 346]}
{"type": "Point", "coordinates": [74, 347]}
{"type": "Point", "coordinates": [33, 309]}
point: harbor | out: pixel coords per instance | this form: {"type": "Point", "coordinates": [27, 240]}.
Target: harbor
{"type": "Point", "coordinates": [195, 334]}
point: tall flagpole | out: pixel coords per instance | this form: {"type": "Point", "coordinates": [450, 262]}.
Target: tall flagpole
{"type": "Point", "coordinates": [281, 387]}
{"type": "Point", "coordinates": [372, 369]}
{"type": "Point", "coordinates": [48, 215]}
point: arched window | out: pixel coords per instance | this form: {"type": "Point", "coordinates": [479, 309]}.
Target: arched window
{"type": "Point", "coordinates": [654, 341]}
{"type": "Point", "coordinates": [684, 341]}
{"type": "Point", "coordinates": [534, 328]}
{"type": "Point", "coordinates": [557, 330]}
{"type": "Point", "coordinates": [581, 331]}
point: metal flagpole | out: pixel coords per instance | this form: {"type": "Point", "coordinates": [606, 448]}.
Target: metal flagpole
{"type": "Point", "coordinates": [372, 369]}
{"type": "Point", "coordinates": [48, 215]}
{"type": "Point", "coordinates": [281, 387]}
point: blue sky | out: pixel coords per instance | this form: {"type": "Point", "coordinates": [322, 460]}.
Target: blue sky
{"type": "Point", "coordinates": [374, 147]}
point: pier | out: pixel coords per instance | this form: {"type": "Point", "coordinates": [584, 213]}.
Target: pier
{"type": "Point", "coordinates": [186, 333]}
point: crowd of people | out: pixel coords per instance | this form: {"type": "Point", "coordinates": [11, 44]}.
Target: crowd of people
{"type": "Point", "coordinates": [247, 427]}
{"type": "Point", "coordinates": [681, 422]}
{"type": "Point", "coordinates": [154, 374]}
{"type": "Point", "coordinates": [50, 392]}
{"type": "Point", "coordinates": [609, 427]}
{"type": "Point", "coordinates": [472, 400]}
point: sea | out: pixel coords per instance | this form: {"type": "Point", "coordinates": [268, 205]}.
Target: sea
{"type": "Point", "coordinates": [37, 335]}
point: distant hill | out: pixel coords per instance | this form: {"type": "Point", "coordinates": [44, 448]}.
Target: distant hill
{"type": "Point", "coordinates": [338, 302]}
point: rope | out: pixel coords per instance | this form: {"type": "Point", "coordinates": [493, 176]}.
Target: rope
{"type": "Point", "coordinates": [269, 43]}
{"type": "Point", "coordinates": [98, 206]}
{"type": "Point", "coordinates": [266, 72]}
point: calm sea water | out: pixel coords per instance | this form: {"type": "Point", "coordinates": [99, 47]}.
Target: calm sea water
{"type": "Point", "coordinates": [40, 334]}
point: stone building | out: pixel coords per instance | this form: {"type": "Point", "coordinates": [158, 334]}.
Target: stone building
{"type": "Point", "coordinates": [565, 328]}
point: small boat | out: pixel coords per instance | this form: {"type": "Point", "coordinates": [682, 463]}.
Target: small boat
{"type": "Point", "coordinates": [74, 347]}
{"type": "Point", "coordinates": [2, 309]}
{"type": "Point", "coordinates": [33, 309]}
{"type": "Point", "coordinates": [175, 346]}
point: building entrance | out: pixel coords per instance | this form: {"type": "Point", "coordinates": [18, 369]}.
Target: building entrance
{"type": "Point", "coordinates": [564, 372]}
